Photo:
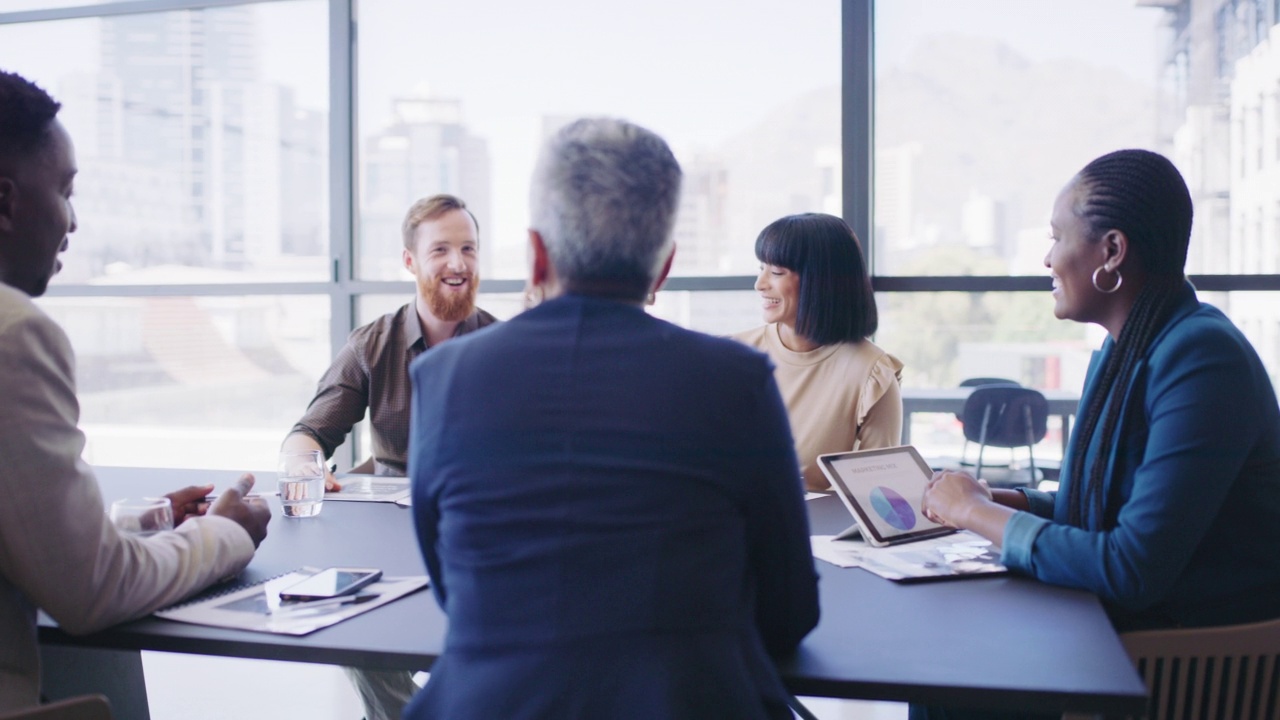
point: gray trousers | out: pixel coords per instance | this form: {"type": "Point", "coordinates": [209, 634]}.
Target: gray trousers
{"type": "Point", "coordinates": [384, 693]}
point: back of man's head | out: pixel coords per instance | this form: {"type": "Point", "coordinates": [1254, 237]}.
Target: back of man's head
{"type": "Point", "coordinates": [604, 200]}
{"type": "Point", "coordinates": [26, 114]}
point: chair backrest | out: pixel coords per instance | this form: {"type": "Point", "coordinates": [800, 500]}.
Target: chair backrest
{"type": "Point", "coordinates": [1008, 411]}
{"type": "Point", "coordinates": [84, 707]}
{"type": "Point", "coordinates": [975, 382]}
{"type": "Point", "coordinates": [1205, 673]}
{"type": "Point", "coordinates": [979, 381]}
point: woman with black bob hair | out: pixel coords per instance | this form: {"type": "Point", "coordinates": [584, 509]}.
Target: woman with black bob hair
{"type": "Point", "coordinates": [841, 391]}
{"type": "Point", "coordinates": [1169, 507]}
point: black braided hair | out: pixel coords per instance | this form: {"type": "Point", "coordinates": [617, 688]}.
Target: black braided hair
{"type": "Point", "coordinates": [1141, 194]}
{"type": "Point", "coordinates": [25, 114]}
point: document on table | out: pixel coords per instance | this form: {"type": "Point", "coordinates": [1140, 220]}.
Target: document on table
{"type": "Point", "coordinates": [958, 555]}
{"type": "Point", "coordinates": [370, 488]}
{"type": "Point", "coordinates": [258, 607]}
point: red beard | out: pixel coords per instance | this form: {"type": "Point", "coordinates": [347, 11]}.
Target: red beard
{"type": "Point", "coordinates": [448, 306]}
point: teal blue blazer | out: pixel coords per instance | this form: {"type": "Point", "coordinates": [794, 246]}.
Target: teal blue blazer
{"type": "Point", "coordinates": [1194, 538]}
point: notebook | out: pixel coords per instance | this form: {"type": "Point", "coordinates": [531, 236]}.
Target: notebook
{"type": "Point", "coordinates": [257, 606]}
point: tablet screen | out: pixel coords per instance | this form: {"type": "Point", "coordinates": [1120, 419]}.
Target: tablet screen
{"type": "Point", "coordinates": [883, 489]}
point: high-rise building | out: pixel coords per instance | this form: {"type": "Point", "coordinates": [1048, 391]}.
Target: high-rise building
{"type": "Point", "coordinates": [1222, 71]}
{"type": "Point", "coordinates": [425, 150]}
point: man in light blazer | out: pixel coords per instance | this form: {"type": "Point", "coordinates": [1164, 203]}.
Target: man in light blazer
{"type": "Point", "coordinates": [58, 552]}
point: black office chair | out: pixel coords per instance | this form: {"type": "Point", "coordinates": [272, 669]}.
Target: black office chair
{"type": "Point", "coordinates": [978, 382]}
{"type": "Point", "coordinates": [1006, 416]}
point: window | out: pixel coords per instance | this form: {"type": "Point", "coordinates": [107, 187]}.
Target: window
{"type": "Point", "coordinates": [238, 172]}
{"type": "Point", "coordinates": [449, 101]}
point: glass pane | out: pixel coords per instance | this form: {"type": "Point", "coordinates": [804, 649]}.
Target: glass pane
{"type": "Point", "coordinates": [19, 5]}
{"type": "Point", "coordinates": [986, 108]}
{"type": "Point", "coordinates": [748, 97]}
{"type": "Point", "coordinates": [197, 382]}
{"type": "Point", "coordinates": [201, 138]}
{"type": "Point", "coordinates": [946, 337]}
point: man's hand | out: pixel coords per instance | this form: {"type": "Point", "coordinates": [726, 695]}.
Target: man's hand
{"type": "Point", "coordinates": [251, 513]}
{"type": "Point", "coordinates": [189, 502]}
{"type": "Point", "coordinates": [302, 442]}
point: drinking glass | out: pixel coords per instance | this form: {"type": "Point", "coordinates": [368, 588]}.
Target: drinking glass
{"type": "Point", "coordinates": [301, 475]}
{"type": "Point", "coordinates": [142, 516]}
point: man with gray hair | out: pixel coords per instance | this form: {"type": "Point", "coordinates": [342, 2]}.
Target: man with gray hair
{"type": "Point", "coordinates": [604, 199]}
{"type": "Point", "coordinates": [607, 503]}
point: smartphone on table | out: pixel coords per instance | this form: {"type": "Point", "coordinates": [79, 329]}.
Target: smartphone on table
{"type": "Point", "coordinates": [330, 583]}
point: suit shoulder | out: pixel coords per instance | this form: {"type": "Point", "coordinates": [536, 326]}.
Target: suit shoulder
{"type": "Point", "coordinates": [1205, 329]}
{"type": "Point", "coordinates": [18, 313]}
{"type": "Point", "coordinates": [731, 351]}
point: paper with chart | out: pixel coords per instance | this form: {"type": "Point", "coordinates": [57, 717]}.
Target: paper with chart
{"type": "Point", "coordinates": [258, 607]}
{"type": "Point", "coordinates": [370, 488]}
{"type": "Point", "coordinates": [961, 554]}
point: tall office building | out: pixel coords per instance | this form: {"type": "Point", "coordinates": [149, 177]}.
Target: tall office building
{"type": "Point", "coordinates": [196, 161]}
{"type": "Point", "coordinates": [1221, 74]}
{"type": "Point", "coordinates": [702, 231]}
{"type": "Point", "coordinates": [425, 150]}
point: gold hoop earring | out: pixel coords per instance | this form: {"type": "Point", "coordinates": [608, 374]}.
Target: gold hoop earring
{"type": "Point", "coordinates": [1096, 286]}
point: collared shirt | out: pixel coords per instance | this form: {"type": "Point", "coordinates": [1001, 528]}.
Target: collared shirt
{"type": "Point", "coordinates": [372, 372]}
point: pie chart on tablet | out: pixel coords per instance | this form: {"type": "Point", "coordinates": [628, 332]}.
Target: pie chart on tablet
{"type": "Point", "coordinates": [893, 508]}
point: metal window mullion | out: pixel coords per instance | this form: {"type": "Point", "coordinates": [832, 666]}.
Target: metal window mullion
{"type": "Point", "coordinates": [342, 183]}
{"type": "Point", "coordinates": [211, 290]}
{"type": "Point", "coordinates": [857, 110]}
{"type": "Point", "coordinates": [129, 7]}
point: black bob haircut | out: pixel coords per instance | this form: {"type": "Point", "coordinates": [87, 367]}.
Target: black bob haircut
{"type": "Point", "coordinates": [25, 114]}
{"type": "Point", "coordinates": [836, 300]}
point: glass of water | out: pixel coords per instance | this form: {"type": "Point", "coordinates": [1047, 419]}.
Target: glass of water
{"type": "Point", "coordinates": [142, 516]}
{"type": "Point", "coordinates": [301, 474]}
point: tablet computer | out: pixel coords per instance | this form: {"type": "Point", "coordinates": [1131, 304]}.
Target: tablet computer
{"type": "Point", "coordinates": [883, 490]}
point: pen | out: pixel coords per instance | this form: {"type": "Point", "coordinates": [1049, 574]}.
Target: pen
{"type": "Point", "coordinates": [327, 602]}
{"type": "Point", "coordinates": [268, 493]}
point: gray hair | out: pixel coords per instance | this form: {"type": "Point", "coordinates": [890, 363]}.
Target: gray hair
{"type": "Point", "coordinates": [604, 200]}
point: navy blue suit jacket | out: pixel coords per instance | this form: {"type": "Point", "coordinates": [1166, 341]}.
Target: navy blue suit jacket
{"type": "Point", "coordinates": [611, 513]}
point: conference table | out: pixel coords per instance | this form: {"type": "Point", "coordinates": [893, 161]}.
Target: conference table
{"type": "Point", "coordinates": [998, 643]}
{"type": "Point", "coordinates": [951, 400]}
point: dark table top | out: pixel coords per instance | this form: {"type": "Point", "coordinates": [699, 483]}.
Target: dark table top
{"type": "Point", "coordinates": [1004, 642]}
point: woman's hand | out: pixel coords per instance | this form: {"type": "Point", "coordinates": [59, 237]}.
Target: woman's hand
{"type": "Point", "coordinates": [952, 495]}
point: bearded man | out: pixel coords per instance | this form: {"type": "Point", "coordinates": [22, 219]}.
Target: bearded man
{"type": "Point", "coordinates": [441, 246]}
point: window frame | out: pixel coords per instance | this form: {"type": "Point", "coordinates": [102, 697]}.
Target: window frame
{"type": "Point", "coordinates": [344, 288]}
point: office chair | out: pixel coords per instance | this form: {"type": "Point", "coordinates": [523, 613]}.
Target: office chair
{"type": "Point", "coordinates": [978, 382]}
{"type": "Point", "coordinates": [84, 707]}
{"type": "Point", "coordinates": [1005, 416]}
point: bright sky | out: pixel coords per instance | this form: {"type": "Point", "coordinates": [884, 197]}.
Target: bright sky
{"type": "Point", "coordinates": [696, 71]}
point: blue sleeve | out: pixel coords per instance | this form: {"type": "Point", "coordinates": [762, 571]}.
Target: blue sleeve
{"type": "Point", "coordinates": [424, 439]}
{"type": "Point", "coordinates": [1022, 529]}
{"type": "Point", "coordinates": [1039, 503]}
{"type": "Point", "coordinates": [786, 582]}
{"type": "Point", "coordinates": [1203, 419]}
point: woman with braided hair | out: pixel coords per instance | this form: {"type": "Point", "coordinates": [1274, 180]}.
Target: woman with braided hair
{"type": "Point", "coordinates": [1169, 506]}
